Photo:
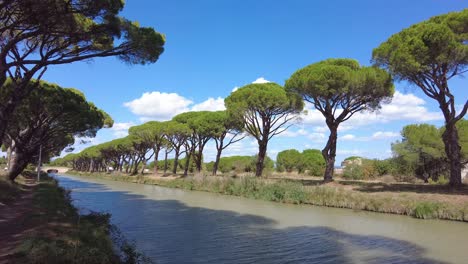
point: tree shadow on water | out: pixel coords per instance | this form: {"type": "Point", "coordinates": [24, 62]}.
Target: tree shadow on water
{"type": "Point", "coordinates": [169, 231]}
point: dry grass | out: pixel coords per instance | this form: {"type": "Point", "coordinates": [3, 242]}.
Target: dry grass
{"type": "Point", "coordinates": [421, 201]}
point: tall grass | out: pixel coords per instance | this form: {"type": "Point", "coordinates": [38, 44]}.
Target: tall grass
{"type": "Point", "coordinates": [294, 192]}
{"type": "Point", "coordinates": [62, 235]}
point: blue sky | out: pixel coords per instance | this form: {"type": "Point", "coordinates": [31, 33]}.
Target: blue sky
{"type": "Point", "coordinates": [214, 46]}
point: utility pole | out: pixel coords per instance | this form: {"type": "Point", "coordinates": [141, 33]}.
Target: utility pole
{"type": "Point", "coordinates": [39, 164]}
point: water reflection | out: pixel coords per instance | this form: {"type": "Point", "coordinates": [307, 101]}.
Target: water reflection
{"type": "Point", "coordinates": [169, 231]}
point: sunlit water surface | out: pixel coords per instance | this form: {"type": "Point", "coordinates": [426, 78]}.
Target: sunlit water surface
{"type": "Point", "coordinates": [177, 226]}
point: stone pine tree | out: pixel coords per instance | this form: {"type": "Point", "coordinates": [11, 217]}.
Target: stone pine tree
{"type": "Point", "coordinates": [37, 34]}
{"type": "Point", "coordinates": [339, 88]}
{"type": "Point", "coordinates": [177, 134]}
{"type": "Point", "coordinates": [225, 131]}
{"type": "Point", "coordinates": [51, 117]}
{"type": "Point", "coordinates": [152, 132]}
{"type": "Point", "coordinates": [429, 55]}
{"type": "Point", "coordinates": [266, 110]}
{"type": "Point", "coordinates": [198, 122]}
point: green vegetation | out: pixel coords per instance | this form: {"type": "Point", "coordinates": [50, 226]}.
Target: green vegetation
{"type": "Point", "coordinates": [428, 55]}
{"type": "Point", "coordinates": [265, 110]}
{"type": "Point", "coordinates": [61, 235]}
{"type": "Point", "coordinates": [9, 192]}
{"type": "Point", "coordinates": [225, 130]}
{"type": "Point", "coordinates": [42, 33]}
{"type": "Point", "coordinates": [310, 161]}
{"type": "Point", "coordinates": [322, 195]}
{"type": "Point", "coordinates": [241, 164]}
{"type": "Point", "coordinates": [50, 117]}
{"type": "Point", "coordinates": [339, 88]}
{"type": "Point", "coordinates": [421, 152]}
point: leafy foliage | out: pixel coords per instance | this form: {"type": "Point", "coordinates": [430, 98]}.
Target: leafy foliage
{"type": "Point", "coordinates": [37, 34]}
{"type": "Point", "coordinates": [265, 111]}
{"type": "Point", "coordinates": [338, 88]}
{"type": "Point", "coordinates": [422, 153]}
{"type": "Point", "coordinates": [429, 54]}
{"type": "Point", "coordinates": [310, 161]}
{"type": "Point", "coordinates": [50, 117]}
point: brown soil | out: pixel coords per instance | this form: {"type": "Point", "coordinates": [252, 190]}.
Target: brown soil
{"type": "Point", "coordinates": [14, 226]}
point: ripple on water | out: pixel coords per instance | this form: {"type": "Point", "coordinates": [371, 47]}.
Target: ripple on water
{"type": "Point", "coordinates": [169, 228]}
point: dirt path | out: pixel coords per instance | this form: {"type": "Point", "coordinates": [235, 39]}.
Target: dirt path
{"type": "Point", "coordinates": [13, 224]}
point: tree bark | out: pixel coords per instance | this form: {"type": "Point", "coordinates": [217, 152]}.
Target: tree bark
{"type": "Point", "coordinates": [17, 165]}
{"type": "Point", "coordinates": [329, 153]}
{"type": "Point", "coordinates": [8, 158]}
{"type": "Point", "coordinates": [176, 161]}
{"type": "Point", "coordinates": [165, 162]}
{"type": "Point", "coordinates": [156, 154]}
{"type": "Point", "coordinates": [216, 164]}
{"type": "Point", "coordinates": [453, 151]}
{"type": "Point", "coordinates": [144, 168]}
{"type": "Point", "coordinates": [187, 164]}
{"type": "Point", "coordinates": [262, 149]}
{"type": "Point", "coordinates": [135, 169]}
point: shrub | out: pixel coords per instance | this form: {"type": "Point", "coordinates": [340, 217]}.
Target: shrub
{"type": "Point", "coordinates": [353, 172]}
{"type": "Point", "coordinates": [382, 167]}
{"type": "Point", "coordinates": [441, 180]}
{"type": "Point", "coordinates": [426, 210]}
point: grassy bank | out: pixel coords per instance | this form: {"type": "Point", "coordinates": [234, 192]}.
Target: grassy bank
{"type": "Point", "coordinates": [57, 233]}
{"type": "Point", "coordinates": [414, 205]}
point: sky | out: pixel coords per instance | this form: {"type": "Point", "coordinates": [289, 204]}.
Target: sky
{"type": "Point", "coordinates": [215, 46]}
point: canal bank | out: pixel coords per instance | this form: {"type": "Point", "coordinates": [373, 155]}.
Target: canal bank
{"type": "Point", "coordinates": [39, 224]}
{"type": "Point", "coordinates": [172, 225]}
{"type": "Point", "coordinates": [429, 205]}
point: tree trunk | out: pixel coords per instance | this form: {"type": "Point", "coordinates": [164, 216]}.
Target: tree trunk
{"type": "Point", "coordinates": [187, 164]}
{"type": "Point", "coordinates": [165, 162]}
{"type": "Point", "coordinates": [262, 149]}
{"type": "Point", "coordinates": [176, 162]}
{"type": "Point", "coordinates": [135, 169]}
{"type": "Point", "coordinates": [329, 154]}
{"type": "Point", "coordinates": [8, 158]}
{"type": "Point", "coordinates": [216, 164]}
{"type": "Point", "coordinates": [156, 154]}
{"type": "Point", "coordinates": [144, 168]}
{"type": "Point", "coordinates": [198, 157]}
{"type": "Point", "coordinates": [17, 165]}
{"type": "Point", "coordinates": [453, 151]}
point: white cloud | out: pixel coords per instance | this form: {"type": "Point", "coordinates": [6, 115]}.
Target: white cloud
{"type": "Point", "coordinates": [211, 104]}
{"type": "Point", "coordinates": [385, 134]}
{"type": "Point", "coordinates": [349, 152]}
{"type": "Point", "coordinates": [261, 80]}
{"type": "Point", "coordinates": [348, 137]}
{"type": "Point", "coordinates": [407, 107]}
{"type": "Point", "coordinates": [321, 129]}
{"type": "Point", "coordinates": [159, 106]}
{"type": "Point", "coordinates": [376, 136]}
{"type": "Point", "coordinates": [289, 133]}
{"type": "Point", "coordinates": [317, 137]}
{"type": "Point", "coordinates": [122, 126]}
{"type": "Point", "coordinates": [164, 106]}
{"type": "Point", "coordinates": [258, 80]}
{"type": "Point", "coordinates": [121, 129]}
{"type": "Point", "coordinates": [402, 107]}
